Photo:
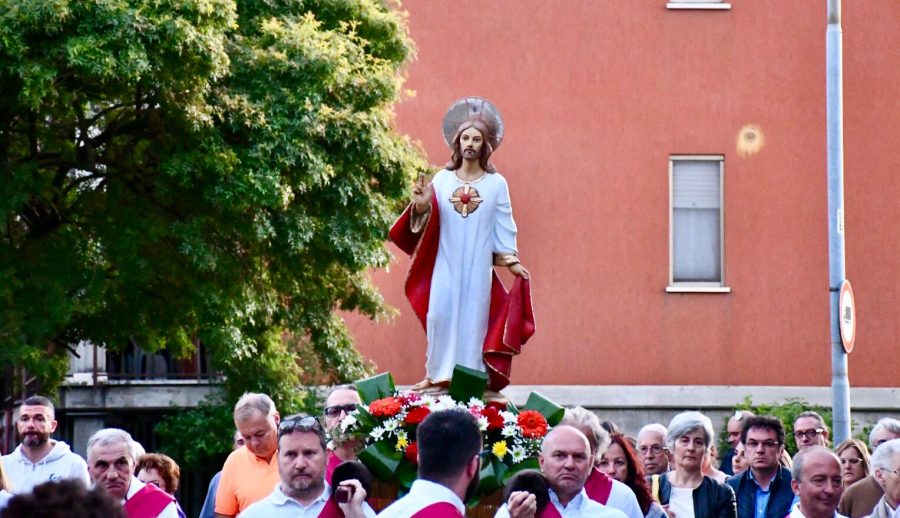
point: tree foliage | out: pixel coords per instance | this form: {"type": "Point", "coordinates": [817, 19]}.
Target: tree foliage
{"type": "Point", "coordinates": [198, 169]}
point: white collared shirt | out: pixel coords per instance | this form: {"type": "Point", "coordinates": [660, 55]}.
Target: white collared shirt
{"type": "Point", "coordinates": [796, 513]}
{"type": "Point", "coordinates": [422, 494]}
{"type": "Point", "coordinates": [278, 504]}
{"type": "Point", "coordinates": [579, 507]}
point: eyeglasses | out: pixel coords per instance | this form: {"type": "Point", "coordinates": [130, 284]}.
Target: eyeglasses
{"type": "Point", "coordinates": [769, 445]}
{"type": "Point", "coordinates": [335, 410]}
{"type": "Point", "coordinates": [894, 471]}
{"type": "Point", "coordinates": [301, 423]}
{"type": "Point", "coordinates": [654, 449]}
{"type": "Point", "coordinates": [853, 461]}
{"type": "Point", "coordinates": [809, 434]}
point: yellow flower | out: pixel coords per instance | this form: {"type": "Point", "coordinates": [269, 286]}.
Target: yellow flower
{"type": "Point", "coordinates": [499, 449]}
{"type": "Point", "coordinates": [402, 443]}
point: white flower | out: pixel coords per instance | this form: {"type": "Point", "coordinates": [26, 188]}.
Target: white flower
{"type": "Point", "coordinates": [475, 402]}
{"type": "Point", "coordinates": [377, 433]}
{"type": "Point", "coordinates": [482, 423]}
{"type": "Point", "coordinates": [444, 402]}
{"type": "Point", "coordinates": [426, 400]}
{"type": "Point", "coordinates": [509, 417]}
{"type": "Point", "coordinates": [348, 421]}
{"type": "Point", "coordinates": [401, 435]}
{"type": "Point", "coordinates": [508, 431]}
{"type": "Point", "coordinates": [390, 425]}
{"type": "Point", "coordinates": [518, 454]}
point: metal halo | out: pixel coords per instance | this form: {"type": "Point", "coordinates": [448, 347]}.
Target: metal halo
{"type": "Point", "coordinates": [473, 108]}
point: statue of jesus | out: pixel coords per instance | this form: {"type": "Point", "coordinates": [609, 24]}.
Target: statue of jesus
{"type": "Point", "coordinates": [458, 228]}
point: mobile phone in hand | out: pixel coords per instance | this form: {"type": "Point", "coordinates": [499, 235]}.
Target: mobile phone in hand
{"type": "Point", "coordinates": [343, 494]}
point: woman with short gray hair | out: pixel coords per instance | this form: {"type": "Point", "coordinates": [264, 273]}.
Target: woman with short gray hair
{"type": "Point", "coordinates": [686, 491]}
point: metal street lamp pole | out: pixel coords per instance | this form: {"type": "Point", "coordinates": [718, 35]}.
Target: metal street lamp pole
{"type": "Point", "coordinates": [840, 386]}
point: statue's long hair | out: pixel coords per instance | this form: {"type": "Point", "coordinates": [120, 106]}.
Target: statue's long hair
{"type": "Point", "coordinates": [486, 149]}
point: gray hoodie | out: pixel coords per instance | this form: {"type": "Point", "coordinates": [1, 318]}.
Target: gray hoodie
{"type": "Point", "coordinates": [60, 463]}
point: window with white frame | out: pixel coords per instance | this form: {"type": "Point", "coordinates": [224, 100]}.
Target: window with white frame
{"type": "Point", "coordinates": [698, 4]}
{"type": "Point", "coordinates": [696, 223]}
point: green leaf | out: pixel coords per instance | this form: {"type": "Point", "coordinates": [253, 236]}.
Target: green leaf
{"type": "Point", "coordinates": [375, 387]}
{"type": "Point", "coordinates": [467, 383]}
{"type": "Point", "coordinates": [529, 463]}
{"type": "Point", "coordinates": [382, 460]}
{"type": "Point", "coordinates": [550, 410]}
{"type": "Point", "coordinates": [406, 474]}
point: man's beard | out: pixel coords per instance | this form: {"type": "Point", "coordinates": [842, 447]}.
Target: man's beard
{"type": "Point", "coordinates": [33, 439]}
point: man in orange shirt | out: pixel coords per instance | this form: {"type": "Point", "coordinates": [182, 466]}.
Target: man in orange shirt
{"type": "Point", "coordinates": [251, 471]}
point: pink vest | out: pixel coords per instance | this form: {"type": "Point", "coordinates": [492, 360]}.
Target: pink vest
{"type": "Point", "coordinates": [439, 510]}
{"type": "Point", "coordinates": [148, 502]}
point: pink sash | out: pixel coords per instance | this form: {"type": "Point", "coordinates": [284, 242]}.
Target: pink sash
{"type": "Point", "coordinates": [439, 510]}
{"type": "Point", "coordinates": [598, 486]}
{"type": "Point", "coordinates": [333, 462]}
{"type": "Point", "coordinates": [148, 502]}
{"type": "Point", "coordinates": [331, 510]}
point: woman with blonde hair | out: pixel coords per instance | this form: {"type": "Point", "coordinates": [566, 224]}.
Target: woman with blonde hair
{"type": "Point", "coordinates": [855, 461]}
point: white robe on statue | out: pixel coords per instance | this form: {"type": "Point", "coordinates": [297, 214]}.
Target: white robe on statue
{"type": "Point", "coordinates": [461, 283]}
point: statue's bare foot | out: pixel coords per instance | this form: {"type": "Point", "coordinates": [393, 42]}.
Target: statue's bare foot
{"type": "Point", "coordinates": [492, 396]}
{"type": "Point", "coordinates": [422, 385]}
{"type": "Point", "coordinates": [436, 388]}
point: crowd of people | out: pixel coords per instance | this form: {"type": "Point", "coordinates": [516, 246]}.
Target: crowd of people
{"type": "Point", "coordinates": [295, 466]}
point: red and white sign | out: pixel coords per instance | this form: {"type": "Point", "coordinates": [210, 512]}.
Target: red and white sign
{"type": "Point", "coordinates": [847, 316]}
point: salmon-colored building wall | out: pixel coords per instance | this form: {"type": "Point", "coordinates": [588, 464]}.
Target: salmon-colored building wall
{"type": "Point", "coordinates": [596, 96]}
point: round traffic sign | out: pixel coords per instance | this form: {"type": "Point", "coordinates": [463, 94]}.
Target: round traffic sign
{"type": "Point", "coordinates": [847, 316]}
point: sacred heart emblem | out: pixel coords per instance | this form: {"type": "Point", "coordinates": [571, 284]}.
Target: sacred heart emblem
{"type": "Point", "coordinates": [465, 200]}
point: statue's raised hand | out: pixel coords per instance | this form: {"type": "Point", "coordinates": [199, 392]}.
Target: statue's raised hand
{"type": "Point", "coordinates": [422, 195]}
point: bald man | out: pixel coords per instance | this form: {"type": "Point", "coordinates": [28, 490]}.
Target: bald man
{"type": "Point", "coordinates": [566, 462]}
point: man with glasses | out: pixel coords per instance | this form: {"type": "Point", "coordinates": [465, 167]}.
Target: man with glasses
{"type": "Point", "coordinates": [449, 445]}
{"type": "Point", "coordinates": [764, 489]}
{"type": "Point", "coordinates": [341, 400]}
{"type": "Point", "coordinates": [651, 441]}
{"type": "Point", "coordinates": [860, 498]}
{"type": "Point", "coordinates": [810, 430]}
{"type": "Point", "coordinates": [251, 471]}
{"type": "Point", "coordinates": [302, 490]}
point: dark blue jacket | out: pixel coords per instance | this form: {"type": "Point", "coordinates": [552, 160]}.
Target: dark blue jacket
{"type": "Point", "coordinates": [780, 494]}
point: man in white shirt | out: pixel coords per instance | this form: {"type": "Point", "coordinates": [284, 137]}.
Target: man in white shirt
{"type": "Point", "coordinates": [39, 458]}
{"type": "Point", "coordinates": [112, 455]}
{"type": "Point", "coordinates": [599, 486]}
{"type": "Point", "coordinates": [566, 462]}
{"type": "Point", "coordinates": [818, 483]}
{"type": "Point", "coordinates": [449, 445]}
{"type": "Point", "coordinates": [303, 491]}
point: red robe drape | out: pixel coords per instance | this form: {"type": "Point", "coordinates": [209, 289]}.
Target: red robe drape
{"type": "Point", "coordinates": [511, 318]}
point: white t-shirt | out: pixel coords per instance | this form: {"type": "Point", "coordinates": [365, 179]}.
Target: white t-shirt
{"type": "Point", "coordinates": [681, 501]}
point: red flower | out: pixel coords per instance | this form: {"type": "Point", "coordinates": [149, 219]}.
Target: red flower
{"type": "Point", "coordinates": [533, 424]}
{"type": "Point", "coordinates": [494, 419]}
{"type": "Point", "coordinates": [412, 452]}
{"type": "Point", "coordinates": [385, 407]}
{"type": "Point", "coordinates": [408, 397]}
{"type": "Point", "coordinates": [496, 404]}
{"type": "Point", "coordinates": [416, 415]}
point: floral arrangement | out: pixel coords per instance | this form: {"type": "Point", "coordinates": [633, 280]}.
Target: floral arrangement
{"type": "Point", "coordinates": [387, 423]}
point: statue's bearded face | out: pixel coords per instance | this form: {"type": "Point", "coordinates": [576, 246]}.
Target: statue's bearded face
{"type": "Point", "coordinates": [471, 144]}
